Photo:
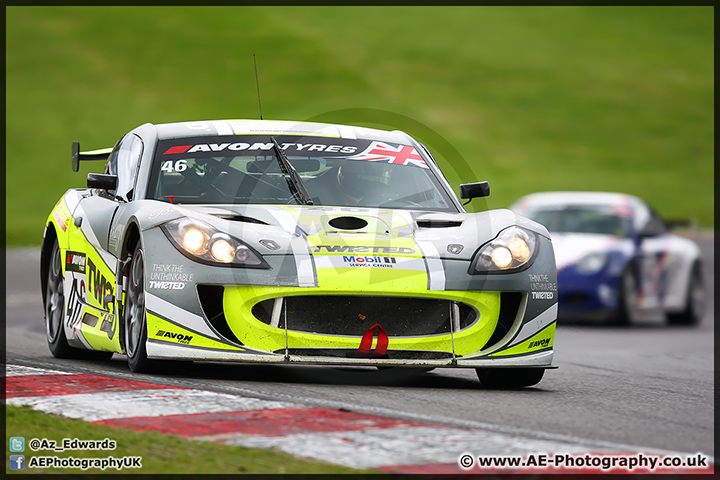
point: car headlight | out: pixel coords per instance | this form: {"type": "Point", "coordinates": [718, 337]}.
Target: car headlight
{"type": "Point", "coordinates": [513, 248]}
{"type": "Point", "coordinates": [591, 263]}
{"type": "Point", "coordinates": [204, 243]}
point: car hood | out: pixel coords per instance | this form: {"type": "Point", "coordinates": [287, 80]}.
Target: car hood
{"type": "Point", "coordinates": [573, 247]}
{"type": "Point", "coordinates": [368, 231]}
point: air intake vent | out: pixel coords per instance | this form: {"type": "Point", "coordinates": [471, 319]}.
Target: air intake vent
{"type": "Point", "coordinates": [242, 218]}
{"type": "Point", "coordinates": [353, 315]}
{"type": "Point", "coordinates": [509, 306]}
{"type": "Point", "coordinates": [211, 299]}
{"type": "Point", "coordinates": [348, 223]}
{"type": "Point", "coordinates": [439, 223]}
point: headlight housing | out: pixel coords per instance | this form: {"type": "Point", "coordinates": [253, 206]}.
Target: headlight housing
{"type": "Point", "coordinates": [592, 263]}
{"type": "Point", "coordinates": [514, 248]}
{"type": "Point", "coordinates": [206, 244]}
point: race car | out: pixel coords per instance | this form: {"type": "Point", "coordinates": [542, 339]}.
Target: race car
{"type": "Point", "coordinates": [296, 243]}
{"type": "Point", "coordinates": [617, 260]}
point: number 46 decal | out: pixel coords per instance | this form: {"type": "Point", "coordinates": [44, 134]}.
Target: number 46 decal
{"type": "Point", "coordinates": [177, 166]}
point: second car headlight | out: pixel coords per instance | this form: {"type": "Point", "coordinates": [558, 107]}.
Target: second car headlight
{"type": "Point", "coordinates": [592, 263]}
{"type": "Point", "coordinates": [513, 248]}
{"type": "Point", "coordinates": [204, 243]}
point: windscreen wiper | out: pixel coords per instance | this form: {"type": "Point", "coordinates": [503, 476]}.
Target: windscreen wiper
{"type": "Point", "coordinates": [291, 175]}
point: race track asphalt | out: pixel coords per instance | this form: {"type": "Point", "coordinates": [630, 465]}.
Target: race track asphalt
{"type": "Point", "coordinates": [648, 386]}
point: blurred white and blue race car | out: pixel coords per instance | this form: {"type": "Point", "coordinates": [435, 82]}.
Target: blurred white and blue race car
{"type": "Point", "coordinates": [616, 258]}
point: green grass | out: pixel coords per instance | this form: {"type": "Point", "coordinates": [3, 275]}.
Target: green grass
{"type": "Point", "coordinates": [161, 454]}
{"type": "Point", "coordinates": [532, 98]}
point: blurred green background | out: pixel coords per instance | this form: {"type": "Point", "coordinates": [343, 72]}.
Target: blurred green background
{"type": "Point", "coordinates": [529, 98]}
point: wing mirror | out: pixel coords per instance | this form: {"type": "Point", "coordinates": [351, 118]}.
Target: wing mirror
{"type": "Point", "coordinates": [102, 181]}
{"type": "Point", "coordinates": [474, 190]}
{"type": "Point", "coordinates": [684, 223]}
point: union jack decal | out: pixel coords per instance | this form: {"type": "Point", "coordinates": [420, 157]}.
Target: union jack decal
{"type": "Point", "coordinates": [390, 153]}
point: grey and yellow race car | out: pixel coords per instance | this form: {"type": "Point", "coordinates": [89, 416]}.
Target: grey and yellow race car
{"type": "Point", "coordinates": [284, 242]}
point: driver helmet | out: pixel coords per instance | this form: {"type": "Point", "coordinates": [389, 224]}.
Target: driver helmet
{"type": "Point", "coordinates": [359, 180]}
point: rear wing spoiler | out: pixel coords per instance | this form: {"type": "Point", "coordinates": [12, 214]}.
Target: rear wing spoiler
{"type": "Point", "coordinates": [77, 155]}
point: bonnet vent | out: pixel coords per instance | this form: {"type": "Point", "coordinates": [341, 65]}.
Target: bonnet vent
{"type": "Point", "coordinates": [348, 223]}
{"type": "Point", "coordinates": [437, 223]}
{"type": "Point", "coordinates": [241, 218]}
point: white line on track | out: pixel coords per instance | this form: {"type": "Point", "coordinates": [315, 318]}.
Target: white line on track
{"type": "Point", "coordinates": [93, 407]}
{"type": "Point", "coordinates": [19, 370]}
{"type": "Point", "coordinates": [402, 446]}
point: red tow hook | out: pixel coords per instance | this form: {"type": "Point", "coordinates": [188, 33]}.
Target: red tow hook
{"type": "Point", "coordinates": [367, 340]}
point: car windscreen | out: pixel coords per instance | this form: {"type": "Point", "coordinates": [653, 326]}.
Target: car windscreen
{"type": "Point", "coordinates": [244, 169]}
{"type": "Point", "coordinates": [601, 219]}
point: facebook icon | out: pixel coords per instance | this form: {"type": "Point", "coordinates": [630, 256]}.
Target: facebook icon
{"type": "Point", "coordinates": [17, 462]}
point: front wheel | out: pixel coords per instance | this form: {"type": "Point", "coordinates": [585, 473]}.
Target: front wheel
{"type": "Point", "coordinates": [510, 377]}
{"type": "Point", "coordinates": [136, 323]}
{"type": "Point", "coordinates": [627, 310]}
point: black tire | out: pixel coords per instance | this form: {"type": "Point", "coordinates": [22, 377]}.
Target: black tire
{"type": "Point", "coordinates": [694, 300]}
{"type": "Point", "coordinates": [627, 310]}
{"type": "Point", "coordinates": [54, 314]}
{"type": "Point", "coordinates": [135, 323]}
{"type": "Point", "coordinates": [509, 377]}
